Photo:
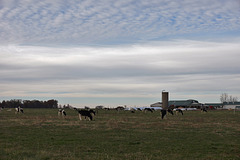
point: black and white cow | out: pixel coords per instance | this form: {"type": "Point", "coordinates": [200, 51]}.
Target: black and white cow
{"type": "Point", "coordinates": [203, 109]}
{"type": "Point", "coordinates": [18, 110]}
{"type": "Point", "coordinates": [179, 111]}
{"type": "Point", "coordinates": [170, 111]}
{"type": "Point", "coordinates": [148, 109]}
{"type": "Point", "coordinates": [86, 113]}
{"type": "Point", "coordinates": [61, 112]}
{"type": "Point", "coordinates": [164, 112]}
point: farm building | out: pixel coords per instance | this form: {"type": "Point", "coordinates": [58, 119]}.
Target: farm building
{"type": "Point", "coordinates": [190, 103]}
{"type": "Point", "coordinates": [231, 105]}
{"type": "Point", "coordinates": [213, 105]}
{"type": "Point", "coordinates": [157, 104]}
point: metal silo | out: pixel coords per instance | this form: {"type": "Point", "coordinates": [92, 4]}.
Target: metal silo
{"type": "Point", "coordinates": [164, 100]}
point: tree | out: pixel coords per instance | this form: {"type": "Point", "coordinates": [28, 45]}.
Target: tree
{"type": "Point", "coordinates": [29, 103]}
{"type": "Point", "coordinates": [224, 97]}
{"type": "Point", "coordinates": [52, 103]}
{"type": "Point", "coordinates": [233, 99]}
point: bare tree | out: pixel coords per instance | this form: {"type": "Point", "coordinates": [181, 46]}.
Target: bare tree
{"type": "Point", "coordinates": [224, 97]}
{"type": "Point", "coordinates": [233, 99]}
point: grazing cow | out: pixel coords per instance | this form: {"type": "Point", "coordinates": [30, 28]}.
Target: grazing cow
{"type": "Point", "coordinates": [170, 111]}
{"type": "Point", "coordinates": [164, 112]}
{"type": "Point", "coordinates": [119, 108]}
{"type": "Point", "coordinates": [148, 109]}
{"type": "Point", "coordinates": [203, 109]}
{"type": "Point", "coordinates": [179, 111]}
{"type": "Point", "coordinates": [92, 111]}
{"type": "Point", "coordinates": [86, 113]}
{"type": "Point", "coordinates": [18, 110]}
{"type": "Point", "coordinates": [61, 112]}
{"type": "Point", "coordinates": [132, 110]}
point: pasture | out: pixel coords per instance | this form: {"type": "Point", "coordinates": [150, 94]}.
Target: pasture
{"type": "Point", "coordinates": [40, 134]}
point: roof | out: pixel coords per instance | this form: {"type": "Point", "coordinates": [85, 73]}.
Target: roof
{"type": "Point", "coordinates": [179, 103]}
{"type": "Point", "coordinates": [213, 104]}
{"type": "Point", "coordinates": [189, 102]}
{"type": "Point", "coordinates": [231, 103]}
{"type": "Point", "coordinates": [158, 104]}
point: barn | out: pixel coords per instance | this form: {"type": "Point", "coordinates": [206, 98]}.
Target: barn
{"type": "Point", "coordinates": [214, 105]}
{"type": "Point", "coordinates": [231, 105]}
{"type": "Point", "coordinates": [190, 103]}
{"type": "Point", "coordinates": [157, 104]}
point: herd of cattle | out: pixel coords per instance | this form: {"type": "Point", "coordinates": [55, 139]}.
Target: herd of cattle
{"type": "Point", "coordinates": [90, 113]}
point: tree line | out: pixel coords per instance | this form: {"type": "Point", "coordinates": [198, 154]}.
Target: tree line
{"type": "Point", "coordinates": [224, 97]}
{"type": "Point", "coordinates": [13, 103]}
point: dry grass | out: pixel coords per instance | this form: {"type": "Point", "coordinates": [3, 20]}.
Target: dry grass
{"type": "Point", "coordinates": [42, 134]}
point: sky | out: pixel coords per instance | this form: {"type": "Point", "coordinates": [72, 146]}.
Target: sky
{"type": "Point", "coordinates": [108, 52]}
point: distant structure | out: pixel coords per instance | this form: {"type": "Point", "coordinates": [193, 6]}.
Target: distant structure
{"type": "Point", "coordinates": [99, 107]}
{"type": "Point", "coordinates": [190, 103]}
{"type": "Point", "coordinates": [231, 105]}
{"type": "Point", "coordinates": [164, 103]}
{"type": "Point", "coordinates": [214, 105]}
{"type": "Point", "coordinates": [164, 100]}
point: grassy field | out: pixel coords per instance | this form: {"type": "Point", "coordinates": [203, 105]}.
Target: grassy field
{"type": "Point", "coordinates": [41, 134]}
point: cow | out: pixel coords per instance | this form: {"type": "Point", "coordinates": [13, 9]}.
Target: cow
{"type": "Point", "coordinates": [170, 111]}
{"type": "Point", "coordinates": [203, 109]}
{"type": "Point", "coordinates": [120, 108]}
{"type": "Point", "coordinates": [148, 109]}
{"type": "Point", "coordinates": [179, 111]}
{"type": "Point", "coordinates": [86, 113]}
{"type": "Point", "coordinates": [164, 112]}
{"type": "Point", "coordinates": [61, 112]}
{"type": "Point", "coordinates": [18, 110]}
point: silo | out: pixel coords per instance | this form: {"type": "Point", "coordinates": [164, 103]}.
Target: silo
{"type": "Point", "coordinates": [164, 100]}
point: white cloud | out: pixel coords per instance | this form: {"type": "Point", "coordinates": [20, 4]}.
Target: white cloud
{"type": "Point", "coordinates": [105, 21]}
{"type": "Point", "coordinates": [138, 69]}
{"type": "Point", "coordinates": [186, 67]}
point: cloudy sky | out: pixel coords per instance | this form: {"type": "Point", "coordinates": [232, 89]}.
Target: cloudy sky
{"type": "Point", "coordinates": [124, 52]}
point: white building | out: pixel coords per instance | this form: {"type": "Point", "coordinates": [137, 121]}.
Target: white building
{"type": "Point", "coordinates": [231, 105]}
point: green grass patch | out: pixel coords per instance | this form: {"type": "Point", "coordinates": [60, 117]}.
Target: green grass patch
{"type": "Point", "coordinates": [42, 134]}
